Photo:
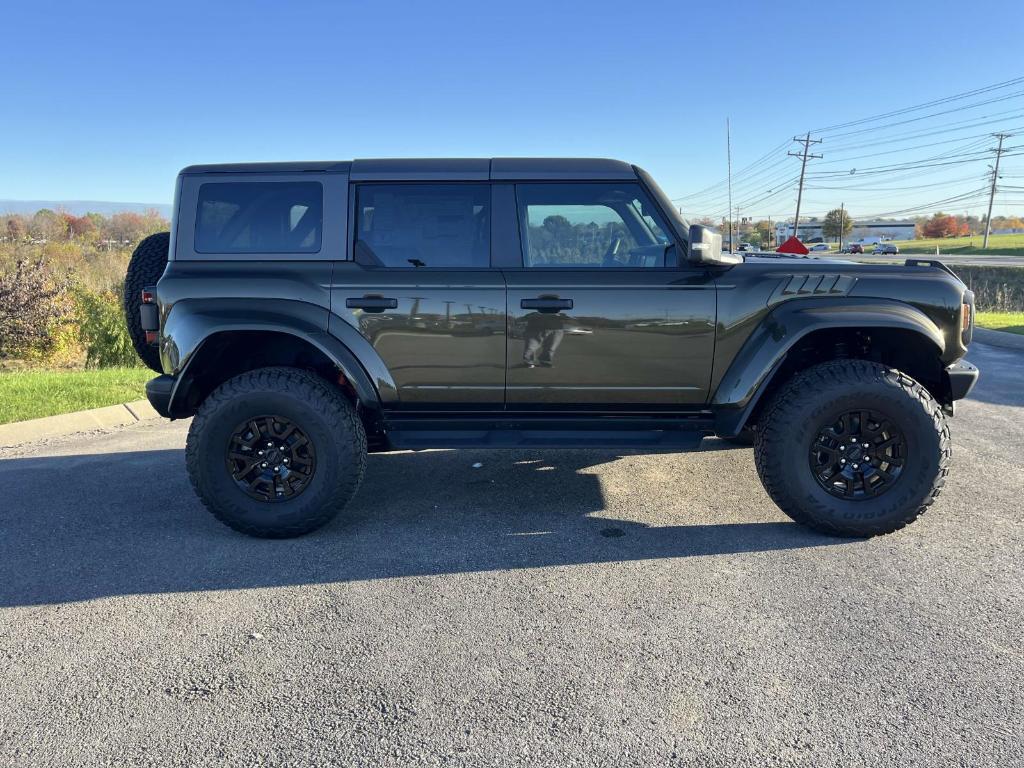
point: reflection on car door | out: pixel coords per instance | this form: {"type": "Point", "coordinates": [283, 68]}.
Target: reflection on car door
{"type": "Point", "coordinates": [597, 316]}
{"type": "Point", "coordinates": [420, 290]}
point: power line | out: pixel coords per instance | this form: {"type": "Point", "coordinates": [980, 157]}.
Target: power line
{"type": "Point", "coordinates": [959, 125]}
{"type": "Point", "coordinates": [1014, 95]}
{"type": "Point", "coordinates": [935, 103]}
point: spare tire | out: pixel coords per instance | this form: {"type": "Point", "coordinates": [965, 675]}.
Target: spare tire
{"type": "Point", "coordinates": [145, 267]}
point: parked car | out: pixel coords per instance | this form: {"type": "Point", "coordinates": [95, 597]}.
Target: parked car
{"type": "Point", "coordinates": [819, 247]}
{"type": "Point", "coordinates": [855, 248]}
{"type": "Point", "coordinates": [886, 248]}
{"type": "Point", "coordinates": [747, 247]}
{"type": "Point", "coordinates": [306, 314]}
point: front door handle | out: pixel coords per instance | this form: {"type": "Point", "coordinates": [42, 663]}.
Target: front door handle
{"type": "Point", "coordinates": [546, 304]}
{"type": "Point", "coordinates": [371, 303]}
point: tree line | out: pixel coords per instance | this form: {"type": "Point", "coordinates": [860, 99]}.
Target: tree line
{"type": "Point", "coordinates": [46, 226]}
{"type": "Point", "coordinates": [839, 221]}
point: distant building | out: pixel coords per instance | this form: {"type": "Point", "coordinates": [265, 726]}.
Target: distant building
{"type": "Point", "coordinates": [871, 231]}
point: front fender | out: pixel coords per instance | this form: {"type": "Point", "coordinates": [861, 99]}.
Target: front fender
{"type": "Point", "coordinates": [764, 351]}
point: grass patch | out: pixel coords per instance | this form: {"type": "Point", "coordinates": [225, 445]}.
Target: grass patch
{"type": "Point", "coordinates": [1002, 321]}
{"type": "Point", "coordinates": [1010, 245]}
{"type": "Point", "coordinates": [32, 394]}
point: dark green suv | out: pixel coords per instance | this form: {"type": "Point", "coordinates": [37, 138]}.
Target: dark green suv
{"type": "Point", "coordinates": [307, 313]}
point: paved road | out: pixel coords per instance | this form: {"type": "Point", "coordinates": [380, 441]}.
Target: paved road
{"type": "Point", "coordinates": [551, 608]}
{"type": "Point", "coordinates": [988, 260]}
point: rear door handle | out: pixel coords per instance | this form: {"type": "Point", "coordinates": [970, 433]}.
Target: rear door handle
{"type": "Point", "coordinates": [371, 303]}
{"type": "Point", "coordinates": [546, 304]}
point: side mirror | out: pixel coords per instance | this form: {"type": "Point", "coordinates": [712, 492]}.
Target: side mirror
{"type": "Point", "coordinates": [706, 247]}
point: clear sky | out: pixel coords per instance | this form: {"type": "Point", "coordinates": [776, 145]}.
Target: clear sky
{"type": "Point", "coordinates": [106, 101]}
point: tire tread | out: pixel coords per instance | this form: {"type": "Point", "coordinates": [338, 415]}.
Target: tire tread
{"type": "Point", "coordinates": [329, 402]}
{"type": "Point", "coordinates": [771, 434]}
{"type": "Point", "coordinates": [147, 264]}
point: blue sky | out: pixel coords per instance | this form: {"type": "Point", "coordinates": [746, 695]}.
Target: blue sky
{"type": "Point", "coordinates": [107, 101]}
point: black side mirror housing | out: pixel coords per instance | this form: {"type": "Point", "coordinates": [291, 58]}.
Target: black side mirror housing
{"type": "Point", "coordinates": [706, 247]}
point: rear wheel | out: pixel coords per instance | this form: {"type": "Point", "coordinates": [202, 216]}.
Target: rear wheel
{"type": "Point", "coordinates": [853, 448]}
{"type": "Point", "coordinates": [145, 267]}
{"type": "Point", "coordinates": [276, 452]}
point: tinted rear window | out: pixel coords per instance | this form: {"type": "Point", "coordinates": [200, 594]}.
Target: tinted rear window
{"type": "Point", "coordinates": [424, 225]}
{"type": "Point", "coordinates": [260, 217]}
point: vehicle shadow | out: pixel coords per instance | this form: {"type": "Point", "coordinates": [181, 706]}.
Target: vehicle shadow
{"type": "Point", "coordinates": [91, 526]}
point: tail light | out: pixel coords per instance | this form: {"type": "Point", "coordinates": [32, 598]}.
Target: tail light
{"type": "Point", "coordinates": [149, 315]}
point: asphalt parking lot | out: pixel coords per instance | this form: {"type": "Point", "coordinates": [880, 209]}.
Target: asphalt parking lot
{"type": "Point", "coordinates": [549, 608]}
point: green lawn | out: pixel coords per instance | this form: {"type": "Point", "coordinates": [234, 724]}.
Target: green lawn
{"type": "Point", "coordinates": [31, 394]}
{"type": "Point", "coordinates": [1002, 321]}
{"type": "Point", "coordinates": [970, 245]}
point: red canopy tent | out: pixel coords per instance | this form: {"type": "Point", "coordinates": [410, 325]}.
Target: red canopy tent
{"type": "Point", "coordinates": [793, 245]}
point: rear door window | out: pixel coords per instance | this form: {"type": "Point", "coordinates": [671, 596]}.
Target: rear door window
{"type": "Point", "coordinates": [423, 225]}
{"type": "Point", "coordinates": [259, 217]}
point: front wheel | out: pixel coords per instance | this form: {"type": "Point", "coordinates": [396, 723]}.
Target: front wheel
{"type": "Point", "coordinates": [276, 452]}
{"type": "Point", "coordinates": [853, 448]}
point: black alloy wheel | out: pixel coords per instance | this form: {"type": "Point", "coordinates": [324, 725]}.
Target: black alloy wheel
{"type": "Point", "coordinates": [858, 456]}
{"type": "Point", "coordinates": [271, 459]}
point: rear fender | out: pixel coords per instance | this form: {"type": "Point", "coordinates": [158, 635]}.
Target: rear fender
{"type": "Point", "coordinates": [189, 324]}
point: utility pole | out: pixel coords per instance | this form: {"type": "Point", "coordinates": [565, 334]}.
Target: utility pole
{"type": "Point", "coordinates": [992, 193]}
{"type": "Point", "coordinates": [842, 217]}
{"type": "Point", "coordinates": [804, 157]}
{"type": "Point", "coordinates": [769, 233]}
{"type": "Point", "coordinates": [728, 160]}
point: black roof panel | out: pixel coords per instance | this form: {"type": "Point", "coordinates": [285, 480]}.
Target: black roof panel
{"type": "Point", "coordinates": [559, 168]}
{"type": "Point", "coordinates": [445, 169]}
{"type": "Point", "coordinates": [434, 169]}
{"type": "Point", "coordinates": [290, 167]}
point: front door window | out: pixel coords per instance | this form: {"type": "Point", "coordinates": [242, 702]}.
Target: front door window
{"type": "Point", "coordinates": [570, 226]}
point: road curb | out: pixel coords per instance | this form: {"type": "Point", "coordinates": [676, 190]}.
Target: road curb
{"type": "Point", "coordinates": [21, 432]}
{"type": "Point", "coordinates": [999, 338]}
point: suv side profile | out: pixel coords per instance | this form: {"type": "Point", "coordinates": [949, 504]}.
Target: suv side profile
{"type": "Point", "coordinates": [305, 314]}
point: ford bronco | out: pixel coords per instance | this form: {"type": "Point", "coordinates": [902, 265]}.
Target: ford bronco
{"type": "Point", "coordinates": [305, 314]}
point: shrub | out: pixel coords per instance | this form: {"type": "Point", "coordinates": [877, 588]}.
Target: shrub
{"type": "Point", "coordinates": [103, 331]}
{"type": "Point", "coordinates": [996, 289]}
{"type": "Point", "coordinates": [35, 305]}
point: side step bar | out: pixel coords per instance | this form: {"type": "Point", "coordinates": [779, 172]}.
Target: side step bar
{"type": "Point", "coordinates": [415, 434]}
{"type": "Point", "coordinates": [666, 440]}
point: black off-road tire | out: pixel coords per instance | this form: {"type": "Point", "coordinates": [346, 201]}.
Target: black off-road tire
{"type": "Point", "coordinates": [790, 425]}
{"type": "Point", "coordinates": [145, 267]}
{"type": "Point", "coordinates": [320, 410]}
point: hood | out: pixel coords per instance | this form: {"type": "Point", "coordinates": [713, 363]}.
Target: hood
{"type": "Point", "coordinates": [792, 258]}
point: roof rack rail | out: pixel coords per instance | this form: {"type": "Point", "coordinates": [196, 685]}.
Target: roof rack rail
{"type": "Point", "coordinates": [931, 263]}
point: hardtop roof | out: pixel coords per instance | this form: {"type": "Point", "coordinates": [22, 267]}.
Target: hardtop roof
{"type": "Point", "coordinates": [441, 169]}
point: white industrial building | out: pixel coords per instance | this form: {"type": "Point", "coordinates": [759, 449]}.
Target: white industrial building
{"type": "Point", "coordinates": [874, 231]}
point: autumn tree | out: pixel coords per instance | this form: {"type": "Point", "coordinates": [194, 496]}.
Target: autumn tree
{"type": "Point", "coordinates": [944, 225]}
{"type": "Point", "coordinates": [82, 227]}
{"type": "Point", "coordinates": [838, 223]}
{"type": "Point", "coordinates": [126, 227]}
{"type": "Point", "coordinates": [46, 225]}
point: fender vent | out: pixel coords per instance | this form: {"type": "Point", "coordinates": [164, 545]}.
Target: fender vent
{"type": "Point", "coordinates": [818, 285]}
